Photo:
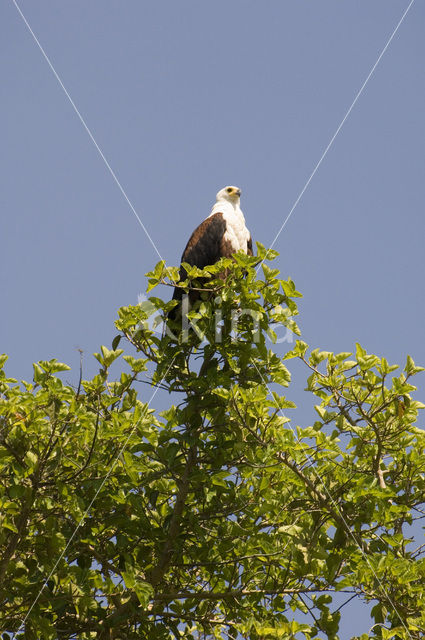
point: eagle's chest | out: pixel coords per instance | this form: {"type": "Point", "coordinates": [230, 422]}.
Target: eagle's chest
{"type": "Point", "coordinates": [236, 235]}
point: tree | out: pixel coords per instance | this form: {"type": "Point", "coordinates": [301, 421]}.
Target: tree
{"type": "Point", "coordinates": [214, 518]}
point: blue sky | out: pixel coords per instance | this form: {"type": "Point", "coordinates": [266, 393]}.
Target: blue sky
{"type": "Point", "coordinates": [184, 98]}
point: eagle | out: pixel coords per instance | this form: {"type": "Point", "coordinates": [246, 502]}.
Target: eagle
{"type": "Point", "coordinates": [220, 235]}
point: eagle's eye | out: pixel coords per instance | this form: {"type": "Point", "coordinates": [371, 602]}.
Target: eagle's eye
{"type": "Point", "coordinates": [229, 189]}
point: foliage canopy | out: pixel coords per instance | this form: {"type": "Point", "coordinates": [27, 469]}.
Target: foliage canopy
{"type": "Point", "coordinates": [214, 518]}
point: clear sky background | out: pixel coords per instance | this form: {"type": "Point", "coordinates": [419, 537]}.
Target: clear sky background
{"type": "Point", "coordinates": [186, 97]}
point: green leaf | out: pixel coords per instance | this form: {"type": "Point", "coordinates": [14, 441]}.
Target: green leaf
{"type": "Point", "coordinates": [298, 351]}
{"type": "Point", "coordinates": [116, 341]}
{"type": "Point", "coordinates": [53, 366]}
{"type": "Point", "coordinates": [144, 592]}
{"type": "Point", "coordinates": [31, 459]}
{"type": "Point", "coordinates": [411, 368]}
{"type": "Point", "coordinates": [107, 357]}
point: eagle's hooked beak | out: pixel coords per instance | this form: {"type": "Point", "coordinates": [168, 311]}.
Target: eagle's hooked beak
{"type": "Point", "coordinates": [238, 193]}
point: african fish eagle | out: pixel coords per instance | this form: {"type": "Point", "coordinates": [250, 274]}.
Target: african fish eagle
{"type": "Point", "coordinates": [220, 235]}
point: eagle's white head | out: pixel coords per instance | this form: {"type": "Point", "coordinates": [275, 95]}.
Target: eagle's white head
{"type": "Point", "coordinates": [229, 194]}
{"type": "Point", "coordinates": [228, 203]}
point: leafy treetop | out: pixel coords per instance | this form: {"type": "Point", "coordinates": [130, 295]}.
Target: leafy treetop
{"type": "Point", "coordinates": [214, 518]}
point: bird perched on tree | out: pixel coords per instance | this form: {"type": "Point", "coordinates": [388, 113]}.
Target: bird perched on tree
{"type": "Point", "coordinates": [220, 235]}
